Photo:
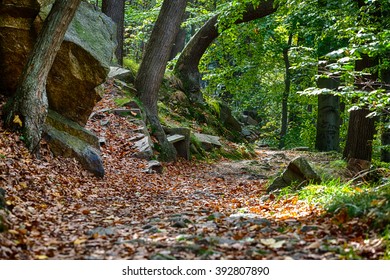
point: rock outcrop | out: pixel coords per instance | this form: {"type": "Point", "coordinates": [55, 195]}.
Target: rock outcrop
{"type": "Point", "coordinates": [69, 139]}
{"type": "Point", "coordinates": [208, 141]}
{"type": "Point", "coordinates": [228, 120]}
{"type": "Point", "coordinates": [81, 65]}
{"type": "Point", "coordinates": [17, 37]}
{"type": "Point", "coordinates": [297, 174]}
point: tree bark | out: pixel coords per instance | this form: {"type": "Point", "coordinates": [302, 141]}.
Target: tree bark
{"type": "Point", "coordinates": [115, 9]}
{"type": "Point", "coordinates": [328, 118]}
{"type": "Point", "coordinates": [361, 130]}
{"type": "Point", "coordinates": [186, 68]}
{"type": "Point", "coordinates": [385, 137]}
{"type": "Point", "coordinates": [28, 108]}
{"type": "Point", "coordinates": [179, 44]}
{"type": "Point", "coordinates": [286, 93]}
{"type": "Point", "coordinates": [152, 68]}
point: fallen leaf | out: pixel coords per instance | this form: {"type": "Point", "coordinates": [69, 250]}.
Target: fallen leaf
{"type": "Point", "coordinates": [17, 120]}
{"type": "Point", "coordinates": [79, 241]}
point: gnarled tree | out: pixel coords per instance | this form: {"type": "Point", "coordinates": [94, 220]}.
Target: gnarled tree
{"type": "Point", "coordinates": [28, 108]}
{"type": "Point", "coordinates": [186, 68]}
{"type": "Point", "coordinates": [152, 68]}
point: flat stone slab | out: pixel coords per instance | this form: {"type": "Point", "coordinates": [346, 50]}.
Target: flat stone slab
{"type": "Point", "coordinates": [208, 141]}
{"type": "Point", "coordinates": [175, 138]}
{"type": "Point", "coordinates": [122, 74]}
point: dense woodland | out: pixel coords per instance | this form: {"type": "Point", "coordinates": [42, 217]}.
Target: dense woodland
{"type": "Point", "coordinates": [194, 129]}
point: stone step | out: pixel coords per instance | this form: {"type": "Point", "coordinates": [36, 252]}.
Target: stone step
{"type": "Point", "coordinates": [176, 138]}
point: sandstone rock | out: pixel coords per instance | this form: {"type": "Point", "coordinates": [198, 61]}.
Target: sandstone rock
{"type": "Point", "coordinates": [208, 141]}
{"type": "Point", "coordinates": [297, 174]}
{"type": "Point", "coordinates": [16, 40]}
{"type": "Point", "coordinates": [101, 231]}
{"type": "Point", "coordinates": [154, 166]}
{"type": "Point", "coordinates": [144, 145]}
{"type": "Point", "coordinates": [61, 123]}
{"type": "Point", "coordinates": [182, 147]}
{"type": "Point", "coordinates": [122, 74]}
{"type": "Point", "coordinates": [144, 148]}
{"type": "Point", "coordinates": [64, 144]}
{"type": "Point", "coordinates": [227, 118]}
{"type": "Point", "coordinates": [67, 138]}
{"type": "Point", "coordinates": [2, 199]}
{"type": "Point", "coordinates": [302, 149]}
{"type": "Point", "coordinates": [81, 64]}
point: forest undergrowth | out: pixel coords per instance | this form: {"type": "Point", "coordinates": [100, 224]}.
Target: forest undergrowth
{"type": "Point", "coordinates": [57, 210]}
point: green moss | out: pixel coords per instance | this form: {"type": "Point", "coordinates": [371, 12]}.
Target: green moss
{"type": "Point", "coordinates": [130, 64]}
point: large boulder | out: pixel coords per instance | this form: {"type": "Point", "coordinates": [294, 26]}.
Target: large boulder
{"type": "Point", "coordinates": [228, 120]}
{"type": "Point", "coordinates": [208, 142]}
{"type": "Point", "coordinates": [82, 63]}
{"type": "Point", "coordinates": [69, 139]}
{"type": "Point", "coordinates": [297, 174]}
{"type": "Point", "coordinates": [17, 38]}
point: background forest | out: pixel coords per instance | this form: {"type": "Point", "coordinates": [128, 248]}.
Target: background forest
{"type": "Point", "coordinates": [272, 66]}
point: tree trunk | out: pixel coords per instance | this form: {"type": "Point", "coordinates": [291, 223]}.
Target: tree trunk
{"type": "Point", "coordinates": [179, 44]}
{"type": "Point", "coordinates": [385, 137]}
{"type": "Point", "coordinates": [286, 93]}
{"type": "Point", "coordinates": [152, 68]}
{"type": "Point", "coordinates": [186, 68]}
{"type": "Point", "coordinates": [115, 9]}
{"type": "Point", "coordinates": [361, 129]}
{"type": "Point", "coordinates": [328, 118]}
{"type": "Point", "coordinates": [361, 132]}
{"type": "Point", "coordinates": [28, 108]}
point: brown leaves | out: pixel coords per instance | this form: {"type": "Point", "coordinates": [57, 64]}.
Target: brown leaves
{"type": "Point", "coordinates": [191, 211]}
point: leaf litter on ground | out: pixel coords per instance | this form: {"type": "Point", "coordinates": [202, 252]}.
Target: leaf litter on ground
{"type": "Point", "coordinates": [193, 210]}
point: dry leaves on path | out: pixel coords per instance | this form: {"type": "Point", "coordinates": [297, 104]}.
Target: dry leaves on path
{"type": "Point", "coordinates": [191, 211]}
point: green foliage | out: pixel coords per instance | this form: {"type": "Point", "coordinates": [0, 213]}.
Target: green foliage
{"type": "Point", "coordinates": [365, 201]}
{"type": "Point", "coordinates": [213, 103]}
{"type": "Point", "coordinates": [130, 64]}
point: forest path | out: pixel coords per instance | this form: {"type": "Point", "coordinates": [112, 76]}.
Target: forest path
{"type": "Point", "coordinates": [191, 211]}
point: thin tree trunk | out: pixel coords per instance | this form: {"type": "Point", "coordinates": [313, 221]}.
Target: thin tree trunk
{"type": "Point", "coordinates": [286, 92]}
{"type": "Point", "coordinates": [28, 108]}
{"type": "Point", "coordinates": [115, 9]}
{"type": "Point", "coordinates": [186, 68]}
{"type": "Point", "coordinates": [152, 68]}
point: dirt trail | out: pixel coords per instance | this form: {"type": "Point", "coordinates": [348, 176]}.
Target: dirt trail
{"type": "Point", "coordinates": [191, 211]}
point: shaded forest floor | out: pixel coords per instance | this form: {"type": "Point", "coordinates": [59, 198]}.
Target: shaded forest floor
{"type": "Point", "coordinates": [193, 210]}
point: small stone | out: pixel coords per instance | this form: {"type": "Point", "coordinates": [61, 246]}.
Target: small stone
{"type": "Point", "coordinates": [154, 166]}
{"type": "Point", "coordinates": [307, 228]}
{"type": "Point", "coordinates": [102, 231]}
{"type": "Point", "coordinates": [104, 122]}
{"type": "Point", "coordinates": [2, 199]}
{"type": "Point", "coordinates": [102, 141]}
